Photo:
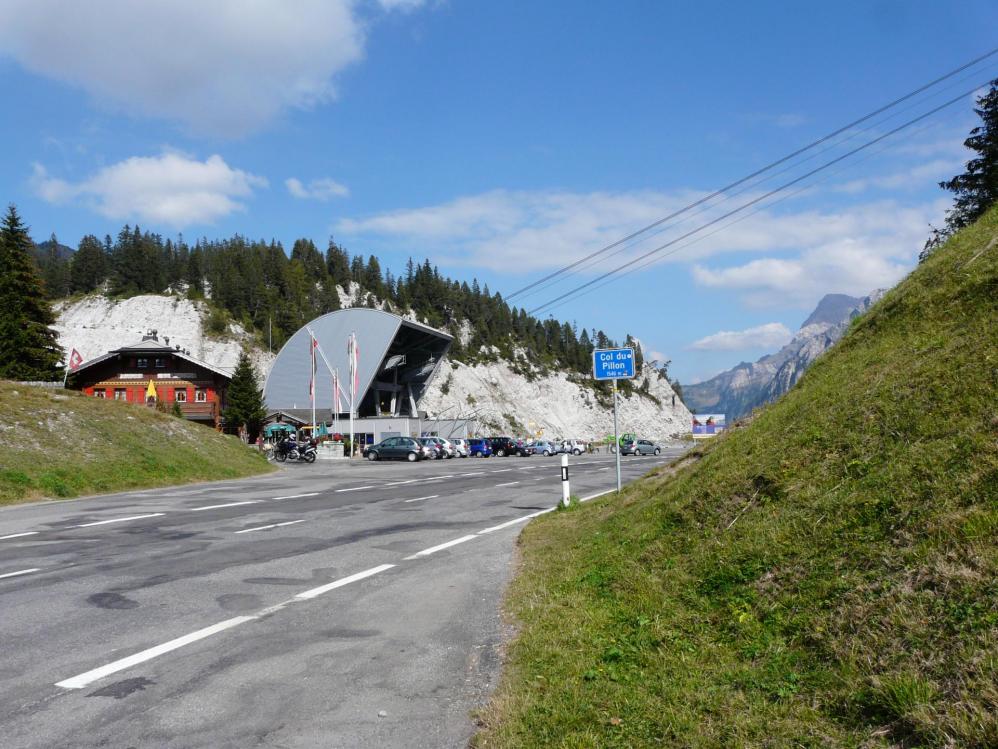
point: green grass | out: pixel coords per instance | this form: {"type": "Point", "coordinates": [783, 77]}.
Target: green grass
{"type": "Point", "coordinates": [825, 576]}
{"type": "Point", "coordinates": [56, 443]}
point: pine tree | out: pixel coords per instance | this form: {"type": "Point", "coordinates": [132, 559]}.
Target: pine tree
{"type": "Point", "coordinates": [29, 348]}
{"type": "Point", "coordinates": [88, 268]}
{"type": "Point", "coordinates": [976, 189]}
{"type": "Point", "coordinates": [244, 399]}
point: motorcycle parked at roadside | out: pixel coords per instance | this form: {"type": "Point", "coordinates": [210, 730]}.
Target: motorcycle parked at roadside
{"type": "Point", "coordinates": [289, 449]}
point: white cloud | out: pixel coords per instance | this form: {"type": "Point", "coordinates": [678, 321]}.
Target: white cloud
{"type": "Point", "coordinates": [224, 67]}
{"type": "Point", "coordinates": [913, 178]}
{"type": "Point", "coordinates": [768, 336]}
{"type": "Point", "coordinates": [317, 189]}
{"type": "Point", "coordinates": [172, 189]}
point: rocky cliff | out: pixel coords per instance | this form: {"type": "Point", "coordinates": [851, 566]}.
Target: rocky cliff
{"type": "Point", "coordinates": [749, 385]}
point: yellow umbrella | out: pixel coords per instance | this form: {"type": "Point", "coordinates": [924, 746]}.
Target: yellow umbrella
{"type": "Point", "coordinates": [151, 391]}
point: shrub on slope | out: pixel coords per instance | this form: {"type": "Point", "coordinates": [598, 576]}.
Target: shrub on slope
{"type": "Point", "coordinates": [57, 443]}
{"type": "Point", "coordinates": [826, 576]}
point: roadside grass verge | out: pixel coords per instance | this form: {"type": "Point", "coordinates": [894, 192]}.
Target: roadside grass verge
{"type": "Point", "coordinates": [57, 443]}
{"type": "Point", "coordinates": [825, 576]}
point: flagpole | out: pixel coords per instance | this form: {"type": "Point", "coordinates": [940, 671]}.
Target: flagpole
{"type": "Point", "coordinates": [353, 389]}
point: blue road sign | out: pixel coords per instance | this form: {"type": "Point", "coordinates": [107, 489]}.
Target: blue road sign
{"type": "Point", "coordinates": [613, 363]}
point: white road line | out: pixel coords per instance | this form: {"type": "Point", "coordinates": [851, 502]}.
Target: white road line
{"type": "Point", "coordinates": [540, 478]}
{"type": "Point", "coordinates": [474, 473]}
{"type": "Point", "coordinates": [507, 524]}
{"type": "Point", "coordinates": [296, 496]}
{"type": "Point", "coordinates": [441, 547]}
{"type": "Point", "coordinates": [78, 682]}
{"type": "Point", "coordinates": [508, 483]}
{"type": "Point", "coordinates": [501, 470]}
{"type": "Point", "coordinates": [355, 489]}
{"type": "Point", "coordinates": [420, 499]}
{"type": "Point", "coordinates": [120, 520]}
{"type": "Point", "coordinates": [593, 496]}
{"type": "Point", "coordinates": [399, 483]}
{"type": "Point", "coordinates": [603, 469]}
{"type": "Point", "coordinates": [19, 535]}
{"type": "Point", "coordinates": [19, 572]}
{"type": "Point", "coordinates": [527, 468]}
{"type": "Point", "coordinates": [229, 504]}
{"type": "Point", "coordinates": [314, 592]}
{"type": "Point", "coordinates": [268, 527]}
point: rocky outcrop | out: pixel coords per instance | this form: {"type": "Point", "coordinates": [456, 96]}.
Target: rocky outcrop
{"type": "Point", "coordinates": [750, 385]}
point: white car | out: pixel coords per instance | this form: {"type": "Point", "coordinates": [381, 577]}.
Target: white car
{"type": "Point", "coordinates": [461, 447]}
{"type": "Point", "coordinates": [575, 447]}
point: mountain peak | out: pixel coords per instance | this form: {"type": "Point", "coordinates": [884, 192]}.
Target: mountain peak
{"type": "Point", "coordinates": [833, 309]}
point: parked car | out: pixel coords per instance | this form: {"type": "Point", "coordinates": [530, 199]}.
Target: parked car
{"type": "Point", "coordinates": [639, 447]}
{"type": "Point", "coordinates": [524, 448]}
{"type": "Point", "coordinates": [575, 447]}
{"type": "Point", "coordinates": [545, 448]}
{"type": "Point", "coordinates": [396, 448]}
{"type": "Point", "coordinates": [503, 446]}
{"type": "Point", "coordinates": [430, 448]}
{"type": "Point", "coordinates": [446, 446]}
{"type": "Point", "coordinates": [479, 448]}
{"type": "Point", "coordinates": [461, 445]}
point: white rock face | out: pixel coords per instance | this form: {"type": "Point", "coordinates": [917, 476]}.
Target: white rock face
{"type": "Point", "coordinates": [508, 403]}
{"type": "Point", "coordinates": [95, 325]}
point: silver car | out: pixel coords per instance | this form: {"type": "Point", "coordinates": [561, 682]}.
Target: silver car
{"type": "Point", "coordinates": [461, 447]}
{"type": "Point", "coordinates": [639, 447]}
{"type": "Point", "coordinates": [545, 448]}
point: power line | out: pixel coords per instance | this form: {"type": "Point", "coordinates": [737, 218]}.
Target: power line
{"type": "Point", "coordinates": [759, 199]}
{"type": "Point", "coordinates": [754, 174]}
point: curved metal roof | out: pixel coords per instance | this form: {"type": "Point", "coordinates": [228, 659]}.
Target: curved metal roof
{"type": "Point", "coordinates": [381, 336]}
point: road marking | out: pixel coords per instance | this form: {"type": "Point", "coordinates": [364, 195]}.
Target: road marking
{"type": "Point", "coordinates": [120, 520]}
{"type": "Point", "coordinates": [528, 468]}
{"type": "Point", "coordinates": [399, 483]}
{"type": "Point", "coordinates": [19, 572]}
{"type": "Point", "coordinates": [603, 469]}
{"type": "Point", "coordinates": [19, 535]}
{"type": "Point", "coordinates": [473, 473]}
{"type": "Point", "coordinates": [593, 496]}
{"type": "Point", "coordinates": [540, 478]}
{"type": "Point", "coordinates": [508, 483]}
{"type": "Point", "coordinates": [268, 527]}
{"type": "Point", "coordinates": [420, 499]}
{"type": "Point", "coordinates": [229, 504]}
{"type": "Point", "coordinates": [355, 489]}
{"type": "Point", "coordinates": [448, 476]}
{"type": "Point", "coordinates": [441, 547]}
{"type": "Point", "coordinates": [507, 524]}
{"type": "Point", "coordinates": [78, 682]}
{"type": "Point", "coordinates": [296, 496]}
{"type": "Point", "coordinates": [501, 470]}
{"type": "Point", "coordinates": [314, 592]}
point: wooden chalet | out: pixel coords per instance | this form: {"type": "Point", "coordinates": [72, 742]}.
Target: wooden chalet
{"type": "Point", "coordinates": [151, 372]}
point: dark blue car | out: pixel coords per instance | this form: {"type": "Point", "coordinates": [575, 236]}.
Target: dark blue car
{"type": "Point", "coordinates": [479, 448]}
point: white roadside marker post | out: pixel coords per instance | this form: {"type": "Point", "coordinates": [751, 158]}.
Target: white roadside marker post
{"type": "Point", "coordinates": [565, 493]}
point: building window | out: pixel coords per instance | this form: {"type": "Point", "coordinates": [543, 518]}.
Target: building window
{"type": "Point", "coordinates": [201, 396]}
{"type": "Point", "coordinates": [160, 363]}
{"type": "Point", "coordinates": [99, 394]}
{"type": "Point", "coordinates": [120, 394]}
{"type": "Point", "coordinates": [142, 363]}
{"type": "Point", "coordinates": [180, 396]}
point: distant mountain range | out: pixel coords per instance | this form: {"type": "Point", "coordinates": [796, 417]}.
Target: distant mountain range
{"type": "Point", "coordinates": [749, 385]}
{"type": "Point", "coordinates": [62, 252]}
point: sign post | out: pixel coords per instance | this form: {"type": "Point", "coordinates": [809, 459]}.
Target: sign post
{"type": "Point", "coordinates": [614, 364]}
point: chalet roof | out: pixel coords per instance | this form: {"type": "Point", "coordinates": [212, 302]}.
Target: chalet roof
{"type": "Point", "coordinates": [151, 346]}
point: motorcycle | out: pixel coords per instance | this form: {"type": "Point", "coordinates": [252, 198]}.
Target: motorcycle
{"type": "Point", "coordinates": [289, 449]}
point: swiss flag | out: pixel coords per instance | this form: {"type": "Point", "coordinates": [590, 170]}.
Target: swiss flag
{"type": "Point", "coordinates": [75, 360]}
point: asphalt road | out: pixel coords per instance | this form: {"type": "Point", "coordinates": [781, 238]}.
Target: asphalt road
{"type": "Point", "coordinates": [328, 605]}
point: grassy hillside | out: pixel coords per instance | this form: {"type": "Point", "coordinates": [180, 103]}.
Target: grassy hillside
{"type": "Point", "coordinates": [825, 576]}
{"type": "Point", "coordinates": [57, 443]}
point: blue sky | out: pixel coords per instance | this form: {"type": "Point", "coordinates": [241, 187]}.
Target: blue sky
{"type": "Point", "coordinates": [504, 141]}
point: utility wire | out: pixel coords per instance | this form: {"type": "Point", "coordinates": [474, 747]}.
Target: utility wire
{"type": "Point", "coordinates": [754, 174]}
{"type": "Point", "coordinates": [585, 263]}
{"type": "Point", "coordinates": [761, 198]}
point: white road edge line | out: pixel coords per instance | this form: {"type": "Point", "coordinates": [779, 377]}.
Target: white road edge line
{"type": "Point", "coordinates": [355, 489]}
{"type": "Point", "coordinates": [314, 592]}
{"type": "Point", "coordinates": [420, 499]}
{"type": "Point", "coordinates": [120, 520]}
{"type": "Point", "coordinates": [289, 522]}
{"type": "Point", "coordinates": [532, 515]}
{"type": "Point", "coordinates": [441, 547]}
{"type": "Point", "coordinates": [268, 527]}
{"type": "Point", "coordinates": [19, 572]}
{"type": "Point", "coordinates": [295, 496]}
{"type": "Point", "coordinates": [19, 535]}
{"type": "Point", "coordinates": [78, 682]}
{"type": "Point", "coordinates": [228, 504]}
{"type": "Point", "coordinates": [82, 680]}
{"type": "Point", "coordinates": [508, 483]}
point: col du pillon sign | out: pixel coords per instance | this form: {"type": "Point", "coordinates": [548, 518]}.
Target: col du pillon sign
{"type": "Point", "coordinates": [613, 363]}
